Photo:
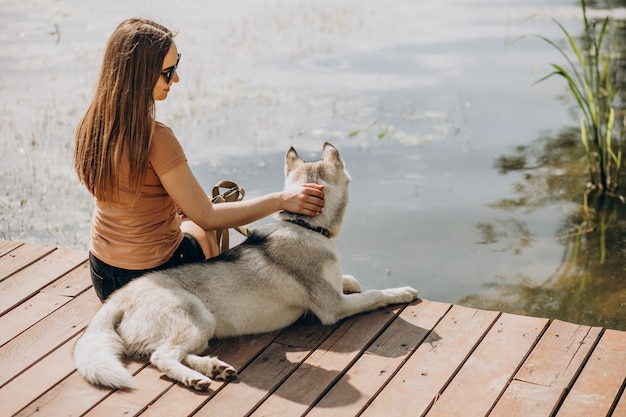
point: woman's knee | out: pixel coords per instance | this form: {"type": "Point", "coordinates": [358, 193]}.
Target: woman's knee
{"type": "Point", "coordinates": [206, 238]}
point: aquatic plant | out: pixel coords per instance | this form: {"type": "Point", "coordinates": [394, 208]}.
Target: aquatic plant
{"type": "Point", "coordinates": [591, 78]}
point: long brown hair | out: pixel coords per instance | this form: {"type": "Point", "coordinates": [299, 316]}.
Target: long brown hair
{"type": "Point", "coordinates": [119, 122]}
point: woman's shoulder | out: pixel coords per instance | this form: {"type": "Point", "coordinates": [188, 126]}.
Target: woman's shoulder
{"type": "Point", "coordinates": [162, 130]}
{"type": "Point", "coordinates": [164, 144]}
{"type": "Point", "coordinates": [163, 135]}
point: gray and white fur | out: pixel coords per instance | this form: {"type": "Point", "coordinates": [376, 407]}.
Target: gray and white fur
{"type": "Point", "coordinates": [278, 274]}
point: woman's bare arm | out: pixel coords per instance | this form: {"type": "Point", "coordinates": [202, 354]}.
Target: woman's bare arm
{"type": "Point", "coordinates": [182, 186]}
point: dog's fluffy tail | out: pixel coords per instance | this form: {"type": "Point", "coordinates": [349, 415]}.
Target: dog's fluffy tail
{"type": "Point", "coordinates": [98, 351]}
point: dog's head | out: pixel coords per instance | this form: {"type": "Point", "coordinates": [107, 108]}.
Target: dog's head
{"type": "Point", "coordinates": [330, 172]}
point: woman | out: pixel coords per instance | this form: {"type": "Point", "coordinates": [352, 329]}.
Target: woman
{"type": "Point", "coordinates": [138, 173]}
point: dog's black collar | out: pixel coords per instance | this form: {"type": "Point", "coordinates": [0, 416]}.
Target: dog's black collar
{"type": "Point", "coordinates": [320, 230]}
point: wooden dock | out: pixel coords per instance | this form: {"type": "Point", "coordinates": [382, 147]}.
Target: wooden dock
{"type": "Point", "coordinates": [426, 358]}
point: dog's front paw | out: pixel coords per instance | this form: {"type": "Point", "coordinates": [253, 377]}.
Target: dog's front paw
{"type": "Point", "coordinates": [403, 294]}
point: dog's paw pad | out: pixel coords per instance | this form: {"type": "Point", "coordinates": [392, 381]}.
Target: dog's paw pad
{"type": "Point", "coordinates": [200, 384]}
{"type": "Point", "coordinates": [224, 373]}
{"type": "Point", "coordinates": [230, 374]}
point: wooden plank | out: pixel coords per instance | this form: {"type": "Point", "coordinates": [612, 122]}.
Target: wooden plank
{"type": "Point", "coordinates": [29, 281]}
{"type": "Point", "coordinates": [300, 390]}
{"type": "Point", "coordinates": [524, 399]}
{"type": "Point", "coordinates": [379, 363]}
{"type": "Point", "coordinates": [265, 374]}
{"type": "Point", "coordinates": [7, 246]}
{"type": "Point", "coordinates": [301, 335]}
{"type": "Point", "coordinates": [370, 364]}
{"type": "Point", "coordinates": [549, 371]}
{"type": "Point", "coordinates": [601, 381]}
{"type": "Point", "coordinates": [307, 333]}
{"type": "Point", "coordinates": [559, 355]}
{"type": "Point", "coordinates": [45, 336]}
{"type": "Point", "coordinates": [39, 378]}
{"type": "Point", "coordinates": [29, 313]}
{"type": "Point", "coordinates": [150, 384]}
{"type": "Point", "coordinates": [270, 368]}
{"type": "Point", "coordinates": [21, 257]}
{"type": "Point", "coordinates": [73, 283]}
{"type": "Point", "coordinates": [620, 409]}
{"type": "Point", "coordinates": [481, 380]}
{"type": "Point", "coordinates": [181, 401]}
{"type": "Point", "coordinates": [72, 396]}
{"type": "Point", "coordinates": [418, 383]}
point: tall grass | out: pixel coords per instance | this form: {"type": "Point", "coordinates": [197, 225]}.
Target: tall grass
{"type": "Point", "coordinates": [591, 75]}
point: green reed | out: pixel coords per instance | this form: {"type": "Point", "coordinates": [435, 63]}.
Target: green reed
{"type": "Point", "coordinates": [591, 77]}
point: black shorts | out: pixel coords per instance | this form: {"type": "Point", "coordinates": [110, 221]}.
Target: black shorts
{"type": "Point", "coordinates": [107, 278]}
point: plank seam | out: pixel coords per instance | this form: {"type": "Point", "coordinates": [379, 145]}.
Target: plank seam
{"type": "Point", "coordinates": [19, 244]}
{"type": "Point", "coordinates": [584, 362]}
{"type": "Point", "coordinates": [41, 359]}
{"type": "Point", "coordinates": [40, 289]}
{"type": "Point", "coordinates": [30, 262]}
{"type": "Point", "coordinates": [401, 365]}
{"type": "Point", "coordinates": [243, 368]}
{"type": "Point", "coordinates": [55, 348]}
{"type": "Point", "coordinates": [461, 364]}
{"type": "Point", "coordinates": [617, 398]}
{"type": "Point", "coordinates": [24, 330]}
{"type": "Point", "coordinates": [210, 350]}
{"type": "Point", "coordinates": [519, 366]}
{"type": "Point", "coordinates": [290, 373]}
{"type": "Point", "coordinates": [341, 374]}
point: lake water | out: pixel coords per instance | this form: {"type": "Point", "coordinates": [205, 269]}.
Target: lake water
{"type": "Point", "coordinates": [423, 99]}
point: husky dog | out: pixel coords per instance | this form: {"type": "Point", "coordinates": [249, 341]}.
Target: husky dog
{"type": "Point", "coordinates": [279, 273]}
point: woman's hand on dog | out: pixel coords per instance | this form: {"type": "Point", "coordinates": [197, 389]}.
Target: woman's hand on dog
{"type": "Point", "coordinates": [306, 199]}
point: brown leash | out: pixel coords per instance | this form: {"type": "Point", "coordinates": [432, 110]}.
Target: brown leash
{"type": "Point", "coordinates": [233, 193]}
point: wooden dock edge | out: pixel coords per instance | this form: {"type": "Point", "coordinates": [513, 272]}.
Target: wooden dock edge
{"type": "Point", "coordinates": [424, 358]}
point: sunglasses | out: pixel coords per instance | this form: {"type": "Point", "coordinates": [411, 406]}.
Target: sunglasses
{"type": "Point", "coordinates": [168, 73]}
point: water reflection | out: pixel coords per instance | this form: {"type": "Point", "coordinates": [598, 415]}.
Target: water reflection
{"type": "Point", "coordinates": [589, 285]}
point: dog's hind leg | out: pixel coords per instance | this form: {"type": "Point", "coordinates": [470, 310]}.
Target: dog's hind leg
{"type": "Point", "coordinates": [168, 360]}
{"type": "Point", "coordinates": [211, 367]}
{"type": "Point", "coordinates": [187, 330]}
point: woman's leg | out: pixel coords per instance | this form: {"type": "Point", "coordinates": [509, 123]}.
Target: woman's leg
{"type": "Point", "coordinates": [106, 278]}
{"type": "Point", "coordinates": [206, 238]}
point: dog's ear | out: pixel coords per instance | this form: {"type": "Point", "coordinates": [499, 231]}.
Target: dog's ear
{"type": "Point", "coordinates": [292, 160]}
{"type": "Point", "coordinates": [331, 154]}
